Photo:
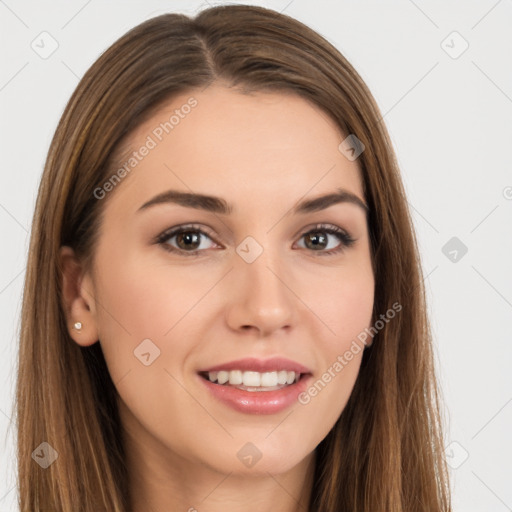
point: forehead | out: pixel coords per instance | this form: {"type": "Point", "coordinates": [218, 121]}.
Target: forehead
{"type": "Point", "coordinates": [263, 146]}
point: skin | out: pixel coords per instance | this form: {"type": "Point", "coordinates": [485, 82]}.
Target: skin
{"type": "Point", "coordinates": [263, 153]}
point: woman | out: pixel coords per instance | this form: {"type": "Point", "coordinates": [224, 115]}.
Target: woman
{"type": "Point", "coordinates": [224, 304]}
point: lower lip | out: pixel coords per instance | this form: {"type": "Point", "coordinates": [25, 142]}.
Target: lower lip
{"type": "Point", "coordinates": [258, 402]}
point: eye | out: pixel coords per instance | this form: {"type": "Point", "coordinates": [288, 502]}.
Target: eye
{"type": "Point", "coordinates": [318, 238]}
{"type": "Point", "coordinates": [188, 239]}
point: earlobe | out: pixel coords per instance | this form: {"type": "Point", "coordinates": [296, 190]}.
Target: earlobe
{"type": "Point", "coordinates": [78, 299]}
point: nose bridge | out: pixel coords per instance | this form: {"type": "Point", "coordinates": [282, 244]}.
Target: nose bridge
{"type": "Point", "coordinates": [262, 298]}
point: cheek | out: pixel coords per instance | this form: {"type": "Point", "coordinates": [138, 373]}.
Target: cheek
{"type": "Point", "coordinates": [148, 300]}
{"type": "Point", "coordinates": [347, 311]}
{"type": "Point", "coordinates": [343, 302]}
{"type": "Point", "coordinates": [138, 302]}
{"type": "Point", "coordinates": [351, 310]}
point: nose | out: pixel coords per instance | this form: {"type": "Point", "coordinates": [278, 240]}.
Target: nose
{"type": "Point", "coordinates": [261, 299]}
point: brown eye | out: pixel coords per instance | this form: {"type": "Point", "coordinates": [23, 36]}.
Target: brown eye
{"type": "Point", "coordinates": [184, 239]}
{"type": "Point", "coordinates": [318, 239]}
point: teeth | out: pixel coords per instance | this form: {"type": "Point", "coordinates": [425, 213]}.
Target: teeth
{"type": "Point", "coordinates": [235, 377]}
{"type": "Point", "coordinates": [222, 377]}
{"type": "Point", "coordinates": [269, 379]}
{"type": "Point", "coordinates": [254, 379]}
{"type": "Point", "coordinates": [282, 377]}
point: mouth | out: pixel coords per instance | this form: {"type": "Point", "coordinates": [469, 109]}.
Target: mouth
{"type": "Point", "coordinates": [256, 386]}
{"type": "Point", "coordinates": [252, 392]}
{"type": "Point", "coordinates": [253, 381]}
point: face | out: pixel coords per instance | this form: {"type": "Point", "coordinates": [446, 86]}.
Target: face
{"type": "Point", "coordinates": [255, 286]}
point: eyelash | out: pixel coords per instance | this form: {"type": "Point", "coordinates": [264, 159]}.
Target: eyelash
{"type": "Point", "coordinates": [345, 239]}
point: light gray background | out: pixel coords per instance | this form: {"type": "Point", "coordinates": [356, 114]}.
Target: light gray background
{"type": "Point", "coordinates": [450, 121]}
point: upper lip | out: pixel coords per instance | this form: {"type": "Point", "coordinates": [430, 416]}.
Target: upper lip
{"type": "Point", "coordinates": [260, 365]}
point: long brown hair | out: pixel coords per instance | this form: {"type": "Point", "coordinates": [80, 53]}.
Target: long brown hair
{"type": "Point", "coordinates": [385, 452]}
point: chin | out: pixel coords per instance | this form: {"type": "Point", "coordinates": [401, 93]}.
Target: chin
{"type": "Point", "coordinates": [260, 458]}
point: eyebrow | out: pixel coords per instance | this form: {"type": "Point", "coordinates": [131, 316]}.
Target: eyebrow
{"type": "Point", "coordinates": [218, 205]}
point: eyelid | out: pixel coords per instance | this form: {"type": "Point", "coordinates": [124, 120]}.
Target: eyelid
{"type": "Point", "coordinates": [322, 226]}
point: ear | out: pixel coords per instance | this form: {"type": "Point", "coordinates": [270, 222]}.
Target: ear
{"type": "Point", "coordinates": [77, 294]}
